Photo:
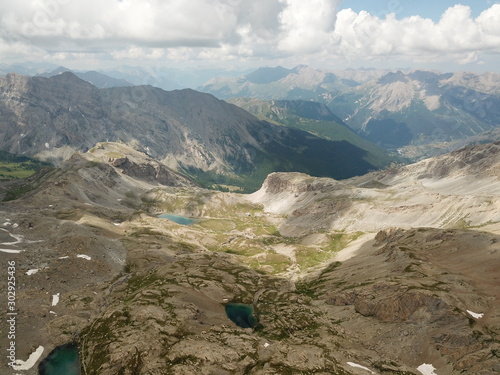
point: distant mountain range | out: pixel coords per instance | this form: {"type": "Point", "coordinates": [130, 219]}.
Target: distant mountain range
{"type": "Point", "coordinates": [159, 76]}
{"type": "Point", "coordinates": [412, 112]}
{"type": "Point", "coordinates": [392, 109]}
{"type": "Point", "coordinates": [218, 142]}
{"type": "Point", "coordinates": [97, 79]}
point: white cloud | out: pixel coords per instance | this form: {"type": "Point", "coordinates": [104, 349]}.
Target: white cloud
{"type": "Point", "coordinates": [361, 34]}
{"type": "Point", "coordinates": [138, 53]}
{"type": "Point", "coordinates": [238, 30]}
{"type": "Point", "coordinates": [306, 25]}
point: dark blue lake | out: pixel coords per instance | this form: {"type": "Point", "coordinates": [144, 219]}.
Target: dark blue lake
{"type": "Point", "coordinates": [241, 315]}
{"type": "Point", "coordinates": [182, 220]}
{"type": "Point", "coordinates": [63, 360]}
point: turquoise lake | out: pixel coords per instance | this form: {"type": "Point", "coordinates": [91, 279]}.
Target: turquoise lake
{"type": "Point", "coordinates": [182, 220]}
{"type": "Point", "coordinates": [240, 314]}
{"type": "Point", "coordinates": [63, 360]}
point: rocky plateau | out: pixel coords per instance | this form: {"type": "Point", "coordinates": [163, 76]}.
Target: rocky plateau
{"type": "Point", "coordinates": [379, 274]}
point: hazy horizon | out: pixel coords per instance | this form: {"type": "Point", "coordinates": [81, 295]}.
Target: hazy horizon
{"type": "Point", "coordinates": [447, 36]}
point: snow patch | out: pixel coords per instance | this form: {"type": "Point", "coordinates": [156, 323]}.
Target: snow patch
{"type": "Point", "coordinates": [55, 299]}
{"type": "Point", "coordinates": [352, 364]}
{"type": "Point", "coordinates": [66, 257]}
{"type": "Point", "coordinates": [10, 251]}
{"type": "Point", "coordinates": [20, 365]}
{"type": "Point", "coordinates": [18, 238]}
{"type": "Point", "coordinates": [475, 315]}
{"type": "Point", "coordinates": [32, 272]}
{"type": "Point", "coordinates": [266, 345]}
{"type": "Point", "coordinates": [426, 369]}
{"type": "Point", "coordinates": [83, 256]}
{"type": "Point", "coordinates": [47, 145]}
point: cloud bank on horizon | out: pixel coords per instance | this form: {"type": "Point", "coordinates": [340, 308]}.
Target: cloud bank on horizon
{"type": "Point", "coordinates": [258, 32]}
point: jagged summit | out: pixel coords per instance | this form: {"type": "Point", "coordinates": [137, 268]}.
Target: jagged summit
{"type": "Point", "coordinates": [398, 76]}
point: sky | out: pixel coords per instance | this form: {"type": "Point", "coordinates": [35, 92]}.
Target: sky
{"type": "Point", "coordinates": [240, 34]}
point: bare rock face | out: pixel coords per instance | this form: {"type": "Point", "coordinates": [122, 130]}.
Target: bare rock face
{"type": "Point", "coordinates": [383, 235]}
{"type": "Point", "coordinates": [149, 172]}
{"type": "Point", "coordinates": [305, 200]}
{"type": "Point", "coordinates": [390, 304]}
{"type": "Point", "coordinates": [478, 160]}
{"type": "Point", "coordinates": [422, 283]}
{"type": "Point", "coordinates": [138, 165]}
{"type": "Point", "coordinates": [297, 183]}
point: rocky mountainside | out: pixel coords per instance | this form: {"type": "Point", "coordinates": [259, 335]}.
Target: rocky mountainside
{"type": "Point", "coordinates": [394, 272]}
{"type": "Point", "coordinates": [430, 296]}
{"type": "Point", "coordinates": [393, 109]}
{"type": "Point", "coordinates": [50, 118]}
{"type": "Point", "coordinates": [424, 107]}
{"type": "Point", "coordinates": [456, 189]}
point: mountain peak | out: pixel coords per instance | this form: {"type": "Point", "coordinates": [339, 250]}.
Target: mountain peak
{"type": "Point", "coordinates": [268, 75]}
{"type": "Point", "coordinates": [300, 67]}
{"type": "Point", "coordinates": [61, 69]}
{"type": "Point", "coordinates": [392, 77]}
{"type": "Point", "coordinates": [68, 77]}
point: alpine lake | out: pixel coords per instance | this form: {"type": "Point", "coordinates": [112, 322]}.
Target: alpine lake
{"type": "Point", "coordinates": [182, 220]}
{"type": "Point", "coordinates": [62, 360]}
{"type": "Point", "coordinates": [240, 314]}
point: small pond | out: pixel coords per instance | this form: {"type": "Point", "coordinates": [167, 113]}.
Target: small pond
{"type": "Point", "coordinates": [182, 220]}
{"type": "Point", "coordinates": [241, 315]}
{"type": "Point", "coordinates": [62, 360]}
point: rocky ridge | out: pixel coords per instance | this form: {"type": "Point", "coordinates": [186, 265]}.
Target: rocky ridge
{"type": "Point", "coordinates": [189, 131]}
{"type": "Point", "coordinates": [459, 188]}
